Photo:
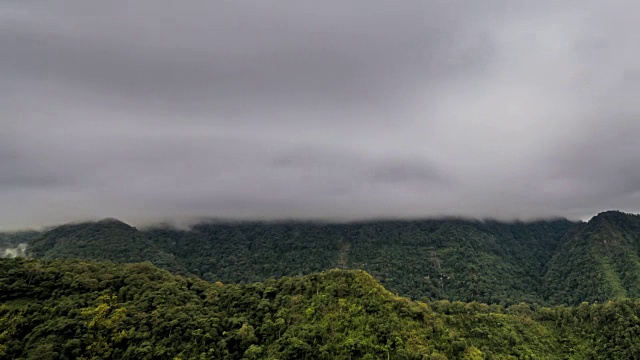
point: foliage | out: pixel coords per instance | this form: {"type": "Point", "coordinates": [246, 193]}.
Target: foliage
{"type": "Point", "coordinates": [429, 259]}
{"type": "Point", "coordinates": [108, 239]}
{"type": "Point", "coordinates": [9, 239]}
{"type": "Point", "coordinates": [13, 244]}
{"type": "Point", "coordinates": [601, 261]}
{"type": "Point", "coordinates": [78, 309]}
{"type": "Point", "coordinates": [544, 262]}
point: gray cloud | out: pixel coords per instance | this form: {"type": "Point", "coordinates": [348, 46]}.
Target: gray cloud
{"type": "Point", "coordinates": [153, 110]}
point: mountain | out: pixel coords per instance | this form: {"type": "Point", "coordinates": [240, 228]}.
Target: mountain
{"type": "Point", "coordinates": [544, 262]}
{"type": "Point", "coordinates": [458, 259]}
{"type": "Point", "coordinates": [429, 259]}
{"type": "Point", "coordinates": [270, 294]}
{"type": "Point", "coordinates": [598, 262]}
{"type": "Point", "coordinates": [434, 259]}
{"type": "Point", "coordinates": [453, 259]}
{"type": "Point", "coordinates": [109, 239]}
{"type": "Point", "coordinates": [75, 309]}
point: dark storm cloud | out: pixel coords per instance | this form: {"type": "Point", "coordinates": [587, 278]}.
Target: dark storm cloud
{"type": "Point", "coordinates": [156, 110]}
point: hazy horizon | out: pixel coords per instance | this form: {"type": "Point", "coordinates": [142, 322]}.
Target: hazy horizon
{"type": "Point", "coordinates": [185, 224]}
{"type": "Point", "coordinates": [154, 111]}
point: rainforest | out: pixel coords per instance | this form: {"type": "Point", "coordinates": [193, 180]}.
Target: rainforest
{"type": "Point", "coordinates": [421, 289]}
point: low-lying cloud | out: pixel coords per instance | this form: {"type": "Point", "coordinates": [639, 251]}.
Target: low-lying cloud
{"type": "Point", "coordinates": [155, 110]}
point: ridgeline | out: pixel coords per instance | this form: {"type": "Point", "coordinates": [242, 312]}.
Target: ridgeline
{"type": "Point", "coordinates": [555, 262]}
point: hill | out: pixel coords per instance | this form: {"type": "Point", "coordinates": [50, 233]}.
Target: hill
{"type": "Point", "coordinates": [451, 259]}
{"type": "Point", "coordinates": [429, 259]}
{"type": "Point", "coordinates": [544, 262]}
{"type": "Point", "coordinates": [72, 309]}
{"type": "Point", "coordinates": [108, 239]}
{"type": "Point", "coordinates": [600, 261]}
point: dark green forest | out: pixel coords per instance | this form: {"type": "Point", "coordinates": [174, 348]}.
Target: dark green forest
{"type": "Point", "coordinates": [65, 309]}
{"type": "Point", "coordinates": [555, 262]}
{"type": "Point", "coordinates": [423, 289]}
{"type": "Point", "coordinates": [12, 239]}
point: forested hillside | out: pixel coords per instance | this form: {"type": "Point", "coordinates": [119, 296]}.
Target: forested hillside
{"type": "Point", "coordinates": [544, 262]}
{"type": "Point", "coordinates": [75, 309]}
{"type": "Point", "coordinates": [108, 239]}
{"type": "Point", "coordinates": [430, 259]}
{"type": "Point", "coordinates": [600, 262]}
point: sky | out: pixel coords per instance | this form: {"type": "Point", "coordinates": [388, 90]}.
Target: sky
{"type": "Point", "coordinates": [335, 110]}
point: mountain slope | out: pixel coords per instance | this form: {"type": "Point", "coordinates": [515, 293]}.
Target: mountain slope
{"type": "Point", "coordinates": [434, 259]}
{"type": "Point", "coordinates": [451, 259]}
{"type": "Point", "coordinates": [458, 259]}
{"type": "Point", "coordinates": [546, 262]}
{"type": "Point", "coordinates": [108, 239]}
{"type": "Point", "coordinates": [601, 261]}
{"type": "Point", "coordinates": [248, 252]}
{"type": "Point", "coordinates": [71, 309]}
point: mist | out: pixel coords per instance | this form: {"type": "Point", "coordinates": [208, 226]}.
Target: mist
{"type": "Point", "coordinates": [335, 111]}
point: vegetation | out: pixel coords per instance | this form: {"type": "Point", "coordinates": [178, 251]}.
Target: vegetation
{"type": "Point", "coordinates": [600, 262]}
{"type": "Point", "coordinates": [269, 293]}
{"type": "Point", "coordinates": [11, 239]}
{"type": "Point", "coordinates": [108, 239]}
{"type": "Point", "coordinates": [13, 244]}
{"type": "Point", "coordinates": [431, 259]}
{"type": "Point", "coordinates": [546, 262]}
{"type": "Point", "coordinates": [75, 309]}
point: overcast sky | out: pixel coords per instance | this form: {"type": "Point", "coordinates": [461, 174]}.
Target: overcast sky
{"type": "Point", "coordinates": [155, 110]}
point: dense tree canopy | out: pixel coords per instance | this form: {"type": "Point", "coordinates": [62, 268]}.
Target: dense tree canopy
{"type": "Point", "coordinates": [600, 262]}
{"type": "Point", "coordinates": [545, 262]}
{"type": "Point", "coordinates": [76, 309]}
{"type": "Point", "coordinates": [430, 259]}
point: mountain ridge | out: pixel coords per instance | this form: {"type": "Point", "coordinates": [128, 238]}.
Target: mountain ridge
{"type": "Point", "coordinates": [555, 261]}
{"type": "Point", "coordinates": [601, 262]}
